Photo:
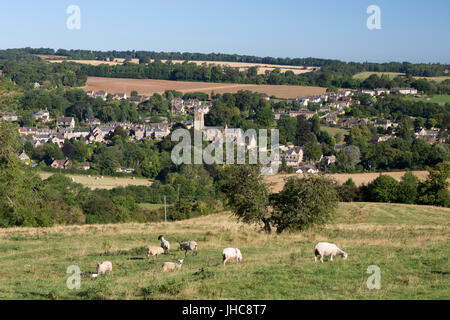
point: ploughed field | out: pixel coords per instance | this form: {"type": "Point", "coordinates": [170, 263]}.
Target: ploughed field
{"type": "Point", "coordinates": [410, 245]}
{"type": "Point", "coordinates": [151, 86]}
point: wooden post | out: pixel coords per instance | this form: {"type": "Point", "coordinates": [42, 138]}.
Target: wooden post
{"type": "Point", "coordinates": [165, 210]}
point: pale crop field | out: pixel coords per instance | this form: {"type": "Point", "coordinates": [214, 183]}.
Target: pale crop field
{"type": "Point", "coordinates": [277, 181]}
{"type": "Point", "coordinates": [410, 245]}
{"type": "Point", "coordinates": [97, 182]}
{"type": "Point", "coordinates": [151, 86]}
{"type": "Point", "coordinates": [243, 66]}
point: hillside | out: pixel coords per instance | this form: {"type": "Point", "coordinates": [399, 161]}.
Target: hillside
{"type": "Point", "coordinates": [409, 244]}
{"type": "Point", "coordinates": [151, 86]}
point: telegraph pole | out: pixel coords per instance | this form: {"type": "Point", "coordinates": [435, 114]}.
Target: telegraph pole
{"type": "Point", "coordinates": [165, 210]}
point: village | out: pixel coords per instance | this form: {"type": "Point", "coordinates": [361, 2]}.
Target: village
{"type": "Point", "coordinates": [330, 107]}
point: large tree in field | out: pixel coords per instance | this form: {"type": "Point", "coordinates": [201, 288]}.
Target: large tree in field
{"type": "Point", "coordinates": [247, 193]}
{"type": "Point", "coordinates": [304, 131]}
{"type": "Point", "coordinates": [304, 203]}
{"type": "Point", "coordinates": [19, 187]}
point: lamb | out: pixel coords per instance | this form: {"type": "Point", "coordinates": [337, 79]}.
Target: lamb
{"type": "Point", "coordinates": [231, 253]}
{"type": "Point", "coordinates": [325, 249]}
{"type": "Point", "coordinates": [164, 244]}
{"type": "Point", "coordinates": [169, 266]}
{"type": "Point", "coordinates": [154, 251]}
{"type": "Point", "coordinates": [104, 267]}
{"type": "Point", "coordinates": [189, 245]}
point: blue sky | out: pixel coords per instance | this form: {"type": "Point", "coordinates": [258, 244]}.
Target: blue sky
{"type": "Point", "coordinates": [412, 30]}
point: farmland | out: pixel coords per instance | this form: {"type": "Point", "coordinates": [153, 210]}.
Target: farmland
{"type": "Point", "coordinates": [150, 86]}
{"type": "Point", "coordinates": [440, 99]}
{"type": "Point", "coordinates": [97, 182]}
{"type": "Point", "coordinates": [242, 66]}
{"type": "Point", "coordinates": [364, 75]}
{"type": "Point", "coordinates": [277, 181]}
{"type": "Point", "coordinates": [274, 267]}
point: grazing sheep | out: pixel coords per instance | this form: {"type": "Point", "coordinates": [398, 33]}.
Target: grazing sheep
{"type": "Point", "coordinates": [325, 249]}
{"type": "Point", "coordinates": [168, 266]}
{"type": "Point", "coordinates": [104, 267]}
{"type": "Point", "coordinates": [154, 251]}
{"type": "Point", "coordinates": [231, 253]}
{"type": "Point", "coordinates": [189, 245]}
{"type": "Point", "coordinates": [72, 179]}
{"type": "Point", "coordinates": [164, 244]}
{"type": "Point", "coordinates": [102, 177]}
{"type": "Point", "coordinates": [89, 175]}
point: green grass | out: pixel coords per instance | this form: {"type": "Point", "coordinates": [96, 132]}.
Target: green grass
{"type": "Point", "coordinates": [333, 131]}
{"type": "Point", "coordinates": [441, 99]}
{"type": "Point", "coordinates": [364, 75]}
{"type": "Point", "coordinates": [437, 79]}
{"type": "Point", "coordinates": [409, 243]}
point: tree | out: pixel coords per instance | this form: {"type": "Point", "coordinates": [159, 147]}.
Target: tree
{"type": "Point", "coordinates": [247, 193]}
{"type": "Point", "coordinates": [315, 124]}
{"type": "Point", "coordinates": [288, 127]}
{"type": "Point", "coordinates": [407, 191]}
{"type": "Point", "coordinates": [264, 116]}
{"type": "Point", "coordinates": [304, 133]}
{"type": "Point", "coordinates": [20, 187]}
{"type": "Point", "coordinates": [434, 191]}
{"type": "Point", "coordinates": [304, 203]}
{"type": "Point", "coordinates": [383, 189]}
{"type": "Point", "coordinates": [313, 151]}
{"type": "Point", "coordinates": [353, 154]}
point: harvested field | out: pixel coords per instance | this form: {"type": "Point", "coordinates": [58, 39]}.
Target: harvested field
{"type": "Point", "coordinates": [151, 86]}
{"type": "Point", "coordinates": [243, 66]}
{"type": "Point", "coordinates": [359, 178]}
{"type": "Point", "coordinates": [97, 182]}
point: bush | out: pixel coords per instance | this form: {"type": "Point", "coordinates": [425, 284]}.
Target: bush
{"type": "Point", "coordinates": [304, 203]}
{"type": "Point", "coordinates": [383, 189]}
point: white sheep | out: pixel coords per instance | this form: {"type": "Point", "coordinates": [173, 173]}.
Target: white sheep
{"type": "Point", "coordinates": [104, 267]}
{"type": "Point", "coordinates": [189, 245]}
{"type": "Point", "coordinates": [231, 253]}
{"type": "Point", "coordinates": [168, 266]}
{"type": "Point", "coordinates": [154, 251]}
{"type": "Point", "coordinates": [164, 244]}
{"type": "Point", "coordinates": [325, 249]}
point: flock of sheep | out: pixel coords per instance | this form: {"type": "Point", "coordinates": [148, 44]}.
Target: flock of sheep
{"type": "Point", "coordinates": [321, 249]}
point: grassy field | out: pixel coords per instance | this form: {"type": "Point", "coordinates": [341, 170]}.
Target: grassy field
{"type": "Point", "coordinates": [333, 131]}
{"type": "Point", "coordinates": [441, 99]}
{"type": "Point", "coordinates": [97, 182]}
{"type": "Point", "coordinates": [392, 75]}
{"type": "Point", "coordinates": [150, 86]}
{"type": "Point", "coordinates": [365, 75]}
{"type": "Point", "coordinates": [409, 244]}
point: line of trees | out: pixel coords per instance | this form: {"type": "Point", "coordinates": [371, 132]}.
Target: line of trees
{"type": "Point", "coordinates": [433, 191]}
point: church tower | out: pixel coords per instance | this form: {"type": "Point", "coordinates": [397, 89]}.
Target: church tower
{"type": "Point", "coordinates": [199, 119]}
